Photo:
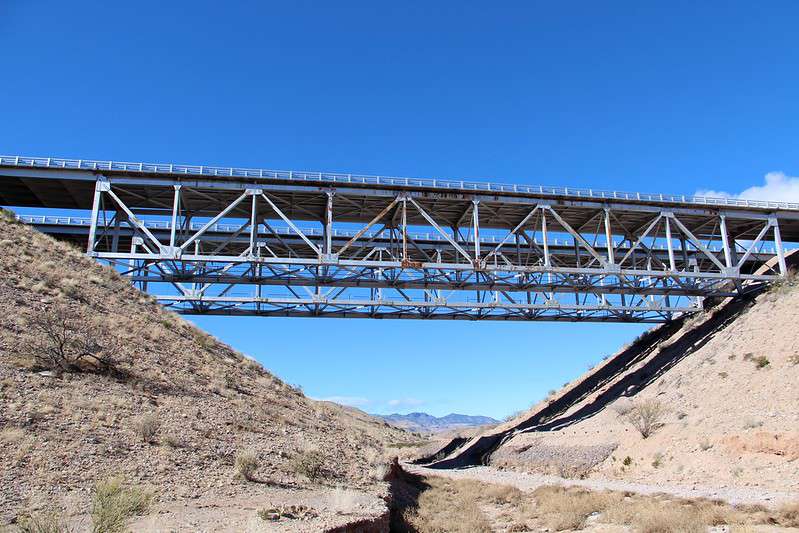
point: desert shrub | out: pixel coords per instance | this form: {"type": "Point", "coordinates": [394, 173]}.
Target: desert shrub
{"type": "Point", "coordinates": [761, 361]}
{"type": "Point", "coordinates": [752, 423]}
{"type": "Point", "coordinates": [114, 505]}
{"type": "Point", "coordinates": [49, 522]}
{"type": "Point", "coordinates": [246, 464]}
{"type": "Point", "coordinates": [309, 463]}
{"type": "Point", "coordinates": [627, 461]}
{"type": "Point", "coordinates": [343, 501]}
{"type": "Point", "coordinates": [647, 417]}
{"type": "Point", "coordinates": [147, 427]}
{"type": "Point", "coordinates": [786, 283]}
{"type": "Point", "coordinates": [63, 340]}
{"type": "Point", "coordinates": [794, 359]}
{"type": "Point", "coordinates": [171, 441]}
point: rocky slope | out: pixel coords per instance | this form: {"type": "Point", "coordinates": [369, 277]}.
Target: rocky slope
{"type": "Point", "coordinates": [719, 390]}
{"type": "Point", "coordinates": [158, 402]}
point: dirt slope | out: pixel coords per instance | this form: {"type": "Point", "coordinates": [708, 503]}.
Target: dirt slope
{"type": "Point", "coordinates": [724, 382]}
{"type": "Point", "coordinates": [61, 433]}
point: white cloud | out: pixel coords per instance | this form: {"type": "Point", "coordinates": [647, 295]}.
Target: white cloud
{"type": "Point", "coordinates": [777, 187]}
{"type": "Point", "coordinates": [352, 401]}
{"type": "Point", "coordinates": [405, 402]}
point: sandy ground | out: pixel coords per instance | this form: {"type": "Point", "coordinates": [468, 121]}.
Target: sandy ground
{"type": "Point", "coordinates": [327, 509]}
{"type": "Point", "coordinates": [528, 482]}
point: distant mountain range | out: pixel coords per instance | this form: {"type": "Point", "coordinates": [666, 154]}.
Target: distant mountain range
{"type": "Point", "coordinates": [422, 422]}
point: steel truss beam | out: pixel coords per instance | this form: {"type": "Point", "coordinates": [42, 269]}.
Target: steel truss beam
{"type": "Point", "coordinates": [204, 246]}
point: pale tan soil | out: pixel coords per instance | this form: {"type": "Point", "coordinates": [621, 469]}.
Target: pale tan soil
{"type": "Point", "coordinates": [61, 434]}
{"type": "Point", "coordinates": [727, 424]}
{"type": "Point", "coordinates": [726, 421]}
{"type": "Point", "coordinates": [239, 514]}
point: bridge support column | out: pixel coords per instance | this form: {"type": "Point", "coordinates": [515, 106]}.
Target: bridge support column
{"type": "Point", "coordinates": [329, 224]}
{"type": "Point", "coordinates": [476, 231]}
{"type": "Point", "coordinates": [725, 241]}
{"type": "Point", "coordinates": [670, 244]}
{"type": "Point", "coordinates": [115, 237]}
{"type": "Point", "coordinates": [778, 246]}
{"type": "Point", "coordinates": [99, 187]}
{"type": "Point", "coordinates": [609, 237]}
{"type": "Point", "coordinates": [175, 212]}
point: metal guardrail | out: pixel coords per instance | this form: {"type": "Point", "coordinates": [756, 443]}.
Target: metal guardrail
{"type": "Point", "coordinates": [290, 175]}
{"type": "Point", "coordinates": [232, 228]}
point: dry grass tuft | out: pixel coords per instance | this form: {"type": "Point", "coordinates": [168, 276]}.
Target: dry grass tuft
{"type": "Point", "coordinates": [171, 441]}
{"type": "Point", "coordinates": [447, 507]}
{"type": "Point", "coordinates": [147, 427]}
{"type": "Point", "coordinates": [246, 464]}
{"type": "Point", "coordinates": [12, 435]}
{"type": "Point", "coordinates": [466, 505]}
{"type": "Point", "coordinates": [655, 517]}
{"type": "Point", "coordinates": [788, 515]}
{"type": "Point", "coordinates": [114, 505]}
{"type": "Point", "coordinates": [562, 508]}
{"type": "Point", "coordinates": [48, 522]}
{"type": "Point", "coordinates": [309, 463]}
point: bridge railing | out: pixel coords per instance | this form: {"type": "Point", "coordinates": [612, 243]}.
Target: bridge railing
{"type": "Point", "coordinates": [332, 177]}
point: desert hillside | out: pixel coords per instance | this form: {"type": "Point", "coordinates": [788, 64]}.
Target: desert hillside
{"type": "Point", "coordinates": [710, 400]}
{"type": "Point", "coordinates": [97, 381]}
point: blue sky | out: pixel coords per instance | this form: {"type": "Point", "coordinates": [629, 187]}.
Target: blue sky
{"type": "Point", "coordinates": [651, 96]}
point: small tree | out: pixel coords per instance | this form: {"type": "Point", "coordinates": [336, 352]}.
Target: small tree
{"type": "Point", "coordinates": [647, 416]}
{"type": "Point", "coordinates": [63, 340]}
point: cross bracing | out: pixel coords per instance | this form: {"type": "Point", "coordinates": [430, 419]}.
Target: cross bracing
{"type": "Point", "coordinates": [242, 244]}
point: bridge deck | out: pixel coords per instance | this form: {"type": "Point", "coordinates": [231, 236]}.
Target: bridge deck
{"type": "Point", "coordinates": [217, 238]}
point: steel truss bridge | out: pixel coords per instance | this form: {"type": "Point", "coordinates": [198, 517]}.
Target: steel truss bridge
{"type": "Point", "coordinates": [233, 241]}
